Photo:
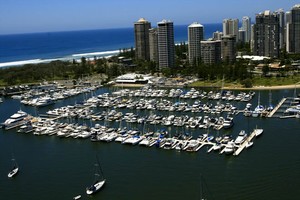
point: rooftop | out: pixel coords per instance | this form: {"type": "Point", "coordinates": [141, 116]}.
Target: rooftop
{"type": "Point", "coordinates": [195, 24]}
{"type": "Point", "coordinates": [142, 20]}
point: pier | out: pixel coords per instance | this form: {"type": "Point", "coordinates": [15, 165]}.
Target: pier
{"type": "Point", "coordinates": [243, 145]}
{"type": "Point", "coordinates": [277, 107]}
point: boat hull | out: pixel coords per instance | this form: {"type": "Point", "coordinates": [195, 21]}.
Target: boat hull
{"type": "Point", "coordinates": [95, 187]}
{"type": "Point", "coordinates": [13, 172]}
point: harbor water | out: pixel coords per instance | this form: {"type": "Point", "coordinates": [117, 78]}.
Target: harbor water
{"type": "Point", "coordinates": [61, 168]}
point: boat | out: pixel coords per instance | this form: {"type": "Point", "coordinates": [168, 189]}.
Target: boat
{"type": "Point", "coordinates": [26, 128]}
{"type": "Point", "coordinates": [192, 146]}
{"type": "Point", "coordinates": [229, 148]}
{"type": "Point", "coordinates": [15, 120]}
{"type": "Point", "coordinates": [258, 109]}
{"type": "Point", "coordinates": [77, 197]}
{"type": "Point", "coordinates": [135, 139]}
{"type": "Point", "coordinates": [249, 144]}
{"type": "Point", "coordinates": [44, 101]}
{"type": "Point", "coordinates": [98, 182]}
{"type": "Point", "coordinates": [14, 170]}
{"type": "Point", "coordinates": [258, 131]}
{"type": "Point", "coordinates": [217, 147]}
{"type": "Point", "coordinates": [170, 143]}
{"type": "Point", "coordinates": [240, 138]}
{"type": "Point", "coordinates": [228, 123]}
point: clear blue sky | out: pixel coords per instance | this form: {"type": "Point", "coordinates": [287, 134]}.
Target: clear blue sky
{"type": "Point", "coordinates": [24, 16]}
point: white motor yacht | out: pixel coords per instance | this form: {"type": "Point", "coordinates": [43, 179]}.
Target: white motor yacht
{"type": "Point", "coordinates": [229, 148]}
{"type": "Point", "coordinates": [15, 120]}
{"type": "Point", "coordinates": [258, 131]}
{"type": "Point", "coordinates": [240, 138]}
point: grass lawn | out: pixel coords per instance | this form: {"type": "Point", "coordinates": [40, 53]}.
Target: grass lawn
{"type": "Point", "coordinates": [215, 83]}
{"type": "Point", "coordinates": [276, 81]}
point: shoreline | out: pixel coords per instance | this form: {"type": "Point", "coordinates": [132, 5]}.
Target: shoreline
{"type": "Point", "coordinates": [278, 87]}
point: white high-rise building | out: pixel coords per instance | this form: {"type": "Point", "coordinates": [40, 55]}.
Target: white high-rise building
{"type": "Point", "coordinates": [246, 26]}
{"type": "Point", "coordinates": [195, 36]}
{"type": "Point", "coordinates": [166, 46]}
{"type": "Point", "coordinates": [217, 35]}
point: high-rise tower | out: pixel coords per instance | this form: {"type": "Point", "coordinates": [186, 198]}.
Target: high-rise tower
{"type": "Point", "coordinates": [141, 30]}
{"type": "Point", "coordinates": [281, 17]}
{"type": "Point", "coordinates": [266, 34]}
{"type": "Point", "coordinates": [166, 46]}
{"type": "Point", "coordinates": [294, 30]}
{"type": "Point", "coordinates": [195, 36]}
{"type": "Point", "coordinates": [211, 51]}
{"type": "Point", "coordinates": [153, 44]}
{"type": "Point", "coordinates": [246, 26]}
{"type": "Point", "coordinates": [231, 27]}
{"type": "Point", "coordinates": [228, 47]}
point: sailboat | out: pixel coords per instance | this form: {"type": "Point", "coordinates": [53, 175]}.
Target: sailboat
{"type": "Point", "coordinates": [259, 108]}
{"type": "Point", "coordinates": [14, 170]}
{"type": "Point", "coordinates": [98, 182]}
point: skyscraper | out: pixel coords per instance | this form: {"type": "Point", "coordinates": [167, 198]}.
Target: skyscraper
{"type": "Point", "coordinates": [288, 21]}
{"type": "Point", "coordinates": [153, 45]}
{"type": "Point", "coordinates": [246, 26]}
{"type": "Point", "coordinates": [228, 47]}
{"type": "Point", "coordinates": [231, 27]}
{"type": "Point", "coordinates": [211, 51]}
{"type": "Point", "coordinates": [288, 17]}
{"type": "Point", "coordinates": [217, 35]}
{"type": "Point", "coordinates": [166, 46]}
{"type": "Point", "coordinates": [294, 30]}
{"type": "Point", "coordinates": [252, 37]}
{"type": "Point", "coordinates": [242, 36]}
{"type": "Point", "coordinates": [266, 34]}
{"type": "Point", "coordinates": [281, 17]}
{"type": "Point", "coordinates": [195, 35]}
{"type": "Point", "coordinates": [141, 30]}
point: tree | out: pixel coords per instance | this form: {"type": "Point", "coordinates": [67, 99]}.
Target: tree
{"type": "Point", "coordinates": [247, 83]}
{"type": "Point", "coordinates": [265, 70]}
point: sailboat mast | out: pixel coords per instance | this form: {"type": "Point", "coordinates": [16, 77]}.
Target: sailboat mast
{"type": "Point", "coordinates": [99, 166]}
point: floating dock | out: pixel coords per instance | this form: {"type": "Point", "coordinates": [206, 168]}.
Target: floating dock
{"type": "Point", "coordinates": [277, 107]}
{"type": "Point", "coordinates": [243, 145]}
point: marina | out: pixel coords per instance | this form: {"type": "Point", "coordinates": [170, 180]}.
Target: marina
{"type": "Point", "coordinates": [211, 114]}
{"type": "Point", "coordinates": [122, 135]}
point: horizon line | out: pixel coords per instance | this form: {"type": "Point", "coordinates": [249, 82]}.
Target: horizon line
{"type": "Point", "coordinates": [78, 30]}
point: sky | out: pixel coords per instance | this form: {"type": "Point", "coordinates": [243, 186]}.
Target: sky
{"type": "Point", "coordinates": [29, 16]}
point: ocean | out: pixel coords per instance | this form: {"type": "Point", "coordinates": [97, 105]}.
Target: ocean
{"type": "Point", "coordinates": [21, 49]}
{"type": "Point", "coordinates": [61, 168]}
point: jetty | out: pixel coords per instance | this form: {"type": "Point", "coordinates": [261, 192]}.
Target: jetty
{"type": "Point", "coordinates": [243, 145]}
{"type": "Point", "coordinates": [277, 107]}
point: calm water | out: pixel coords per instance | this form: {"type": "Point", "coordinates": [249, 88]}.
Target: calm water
{"type": "Point", "coordinates": [56, 168]}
